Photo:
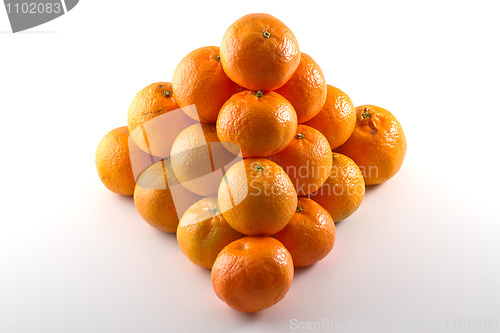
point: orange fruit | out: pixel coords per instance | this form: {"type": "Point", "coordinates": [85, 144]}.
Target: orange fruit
{"type": "Point", "coordinates": [306, 89]}
{"type": "Point", "coordinates": [259, 52]}
{"type": "Point", "coordinates": [343, 191]}
{"type": "Point", "coordinates": [203, 232]}
{"type": "Point", "coordinates": [199, 80]}
{"type": "Point", "coordinates": [310, 235]}
{"type": "Point", "coordinates": [337, 118]}
{"type": "Point", "coordinates": [112, 160]}
{"type": "Point", "coordinates": [198, 158]}
{"type": "Point", "coordinates": [257, 197]}
{"type": "Point", "coordinates": [307, 160]}
{"type": "Point", "coordinates": [377, 145]}
{"type": "Point", "coordinates": [252, 273]}
{"type": "Point", "coordinates": [160, 199]}
{"type": "Point", "coordinates": [261, 124]}
{"type": "Point", "coordinates": [155, 119]}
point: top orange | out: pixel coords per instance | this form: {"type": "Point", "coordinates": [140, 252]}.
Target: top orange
{"type": "Point", "coordinates": [259, 52]}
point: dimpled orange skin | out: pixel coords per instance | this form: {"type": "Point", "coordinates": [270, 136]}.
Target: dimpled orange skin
{"type": "Point", "coordinates": [153, 197]}
{"type": "Point", "coordinates": [337, 118]}
{"type": "Point", "coordinates": [259, 52]}
{"type": "Point", "coordinates": [152, 101]}
{"type": "Point", "coordinates": [306, 89]}
{"type": "Point", "coordinates": [112, 160]}
{"type": "Point", "coordinates": [200, 80]}
{"type": "Point", "coordinates": [257, 197]}
{"type": "Point", "coordinates": [260, 126]}
{"type": "Point", "coordinates": [310, 235]}
{"type": "Point", "coordinates": [252, 273]}
{"type": "Point", "coordinates": [203, 232]}
{"type": "Point", "coordinates": [377, 145]}
{"type": "Point", "coordinates": [343, 191]}
{"type": "Point", "coordinates": [307, 160]}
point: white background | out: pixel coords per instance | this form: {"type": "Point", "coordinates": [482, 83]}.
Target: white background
{"type": "Point", "coordinates": [420, 255]}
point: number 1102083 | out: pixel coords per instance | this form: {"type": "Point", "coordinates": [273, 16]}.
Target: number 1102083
{"type": "Point", "coordinates": [34, 8]}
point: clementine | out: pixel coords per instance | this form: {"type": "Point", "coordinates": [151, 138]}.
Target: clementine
{"type": "Point", "coordinates": [203, 232]}
{"type": "Point", "coordinates": [343, 191]}
{"type": "Point", "coordinates": [112, 160]}
{"type": "Point", "coordinates": [261, 124]}
{"type": "Point", "coordinates": [155, 119]}
{"type": "Point", "coordinates": [257, 197]}
{"type": "Point", "coordinates": [307, 160]}
{"type": "Point", "coordinates": [159, 198]}
{"type": "Point", "coordinates": [310, 235]}
{"type": "Point", "coordinates": [259, 52]}
{"type": "Point", "coordinates": [306, 89]}
{"type": "Point", "coordinates": [199, 80]}
{"type": "Point", "coordinates": [199, 158]}
{"type": "Point", "coordinates": [252, 273]}
{"type": "Point", "coordinates": [377, 145]}
{"type": "Point", "coordinates": [337, 118]}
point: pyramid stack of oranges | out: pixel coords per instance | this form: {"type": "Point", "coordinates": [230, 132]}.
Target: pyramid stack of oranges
{"type": "Point", "coordinates": [250, 158]}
